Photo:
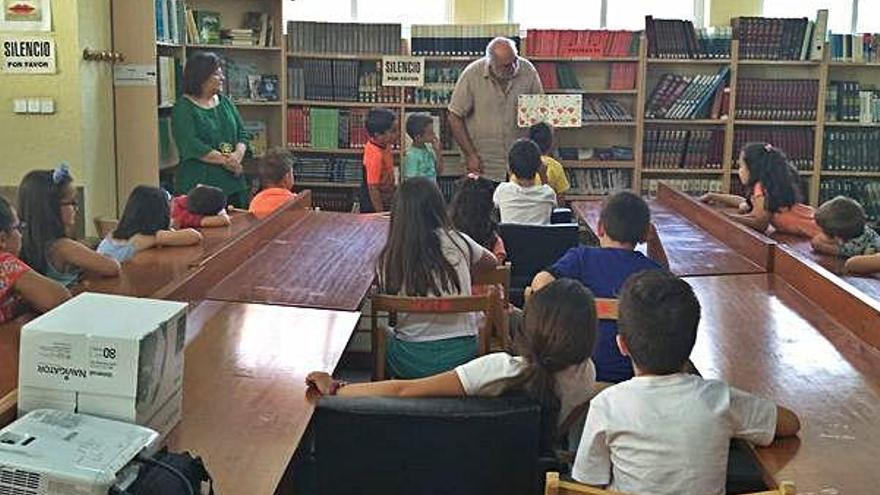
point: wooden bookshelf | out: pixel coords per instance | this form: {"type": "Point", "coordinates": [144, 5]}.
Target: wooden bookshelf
{"type": "Point", "coordinates": [689, 61]}
{"type": "Point", "coordinates": [328, 185]}
{"type": "Point", "coordinates": [204, 47]}
{"type": "Point", "coordinates": [683, 171]}
{"type": "Point", "coordinates": [776, 123]}
{"type": "Point", "coordinates": [338, 104]}
{"type": "Point", "coordinates": [594, 60]}
{"type": "Point", "coordinates": [847, 173]}
{"type": "Point", "coordinates": [599, 164]}
{"type": "Point", "coordinates": [336, 55]}
{"type": "Point", "coordinates": [685, 121]}
{"type": "Point", "coordinates": [851, 124]}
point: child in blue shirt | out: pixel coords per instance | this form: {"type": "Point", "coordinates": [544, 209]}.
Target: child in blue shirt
{"type": "Point", "coordinates": [623, 224]}
{"type": "Point", "coordinates": [424, 158]}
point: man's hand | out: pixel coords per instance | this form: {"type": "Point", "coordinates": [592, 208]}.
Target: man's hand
{"type": "Point", "coordinates": [475, 164]}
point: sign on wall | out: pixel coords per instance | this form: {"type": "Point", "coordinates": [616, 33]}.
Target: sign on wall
{"type": "Point", "coordinates": [27, 54]}
{"type": "Point", "coordinates": [26, 15]}
{"type": "Point", "coordinates": [403, 71]}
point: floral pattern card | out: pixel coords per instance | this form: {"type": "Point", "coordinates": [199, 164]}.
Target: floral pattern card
{"type": "Point", "coordinates": [556, 110]}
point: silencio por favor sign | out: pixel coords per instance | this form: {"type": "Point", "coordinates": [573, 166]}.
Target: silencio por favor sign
{"type": "Point", "coordinates": [403, 71]}
{"type": "Point", "coordinates": [27, 54]}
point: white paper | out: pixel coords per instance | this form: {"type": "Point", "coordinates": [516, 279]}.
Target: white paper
{"type": "Point", "coordinates": [134, 75]}
{"type": "Point", "coordinates": [403, 71]}
{"type": "Point", "coordinates": [27, 54]}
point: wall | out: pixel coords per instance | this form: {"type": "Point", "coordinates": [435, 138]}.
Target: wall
{"type": "Point", "coordinates": [479, 11]}
{"type": "Point", "coordinates": [81, 129]}
{"type": "Point", "coordinates": [720, 11]}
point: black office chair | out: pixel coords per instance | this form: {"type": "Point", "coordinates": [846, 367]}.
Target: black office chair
{"type": "Point", "coordinates": [464, 446]}
{"type": "Point", "coordinates": [531, 248]}
{"type": "Point", "coordinates": [562, 215]}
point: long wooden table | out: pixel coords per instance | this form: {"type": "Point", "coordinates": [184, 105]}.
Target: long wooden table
{"type": "Point", "coordinates": [761, 335]}
{"type": "Point", "coordinates": [244, 400]}
{"type": "Point", "coordinates": [325, 260]}
{"type": "Point", "coordinates": [690, 250]}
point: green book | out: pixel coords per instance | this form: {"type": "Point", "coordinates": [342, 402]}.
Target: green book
{"type": "Point", "coordinates": [208, 25]}
{"type": "Point", "coordinates": [325, 128]}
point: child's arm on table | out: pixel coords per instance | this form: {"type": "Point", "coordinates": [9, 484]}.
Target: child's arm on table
{"type": "Point", "coordinates": [863, 265]}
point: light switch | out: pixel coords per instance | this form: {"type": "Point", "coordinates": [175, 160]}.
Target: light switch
{"type": "Point", "coordinates": [47, 105]}
{"type": "Point", "coordinates": [19, 105]}
{"type": "Point", "coordinates": [33, 105]}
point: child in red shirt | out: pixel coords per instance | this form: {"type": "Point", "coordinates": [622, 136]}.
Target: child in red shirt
{"type": "Point", "coordinates": [18, 282]}
{"type": "Point", "coordinates": [203, 206]}
{"type": "Point", "coordinates": [377, 188]}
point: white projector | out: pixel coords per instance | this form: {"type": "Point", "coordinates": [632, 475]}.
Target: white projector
{"type": "Point", "coordinates": [49, 452]}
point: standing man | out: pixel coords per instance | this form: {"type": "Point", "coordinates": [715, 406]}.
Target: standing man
{"type": "Point", "coordinates": [482, 112]}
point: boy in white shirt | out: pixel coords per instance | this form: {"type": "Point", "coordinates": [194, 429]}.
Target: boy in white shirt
{"type": "Point", "coordinates": [523, 199]}
{"type": "Point", "coordinates": [665, 431]}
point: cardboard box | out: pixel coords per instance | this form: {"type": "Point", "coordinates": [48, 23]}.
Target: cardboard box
{"type": "Point", "coordinates": [112, 356]}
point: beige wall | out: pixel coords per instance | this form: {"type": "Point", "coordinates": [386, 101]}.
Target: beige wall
{"type": "Point", "coordinates": [479, 11]}
{"type": "Point", "coordinates": [81, 129]}
{"type": "Point", "coordinates": [720, 11]}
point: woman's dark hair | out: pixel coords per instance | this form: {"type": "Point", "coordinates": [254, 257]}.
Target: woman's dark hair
{"type": "Point", "coordinates": [6, 216]}
{"type": "Point", "coordinates": [199, 67]}
{"type": "Point", "coordinates": [379, 121]}
{"type": "Point", "coordinates": [559, 330]}
{"type": "Point", "coordinates": [146, 212]}
{"type": "Point", "coordinates": [39, 207]}
{"type": "Point", "coordinates": [542, 134]}
{"type": "Point", "coordinates": [769, 166]}
{"type": "Point", "coordinates": [524, 159]}
{"type": "Point", "coordinates": [205, 200]}
{"type": "Point", "coordinates": [417, 123]}
{"type": "Point", "coordinates": [412, 262]}
{"type": "Point", "coordinates": [472, 210]}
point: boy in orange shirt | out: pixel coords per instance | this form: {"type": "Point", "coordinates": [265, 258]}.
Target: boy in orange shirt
{"type": "Point", "coordinates": [377, 188]}
{"type": "Point", "coordinates": [276, 178]}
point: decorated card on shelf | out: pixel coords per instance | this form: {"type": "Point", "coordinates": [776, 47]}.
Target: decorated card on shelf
{"type": "Point", "coordinates": [556, 110]}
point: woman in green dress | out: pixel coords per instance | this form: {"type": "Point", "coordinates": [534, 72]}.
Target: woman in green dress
{"type": "Point", "coordinates": [209, 133]}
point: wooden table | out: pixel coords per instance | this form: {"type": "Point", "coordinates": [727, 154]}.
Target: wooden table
{"type": "Point", "coordinates": [689, 249]}
{"type": "Point", "coordinates": [761, 335]}
{"type": "Point", "coordinates": [10, 334]}
{"type": "Point", "coordinates": [326, 260]}
{"type": "Point", "coordinates": [244, 401]}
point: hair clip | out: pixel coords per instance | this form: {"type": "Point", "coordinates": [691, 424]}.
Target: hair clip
{"type": "Point", "coordinates": [473, 176]}
{"type": "Point", "coordinates": [166, 193]}
{"type": "Point", "coordinates": [768, 147]}
{"type": "Point", "coordinates": [61, 172]}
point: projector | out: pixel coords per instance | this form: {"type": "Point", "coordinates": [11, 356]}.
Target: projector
{"type": "Point", "coordinates": [48, 452]}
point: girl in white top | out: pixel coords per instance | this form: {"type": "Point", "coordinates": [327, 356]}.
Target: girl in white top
{"type": "Point", "coordinates": [552, 364]}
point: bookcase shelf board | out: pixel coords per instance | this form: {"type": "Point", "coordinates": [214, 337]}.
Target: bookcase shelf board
{"type": "Point", "coordinates": [790, 63]}
{"type": "Point", "coordinates": [688, 61]}
{"type": "Point", "coordinates": [583, 91]}
{"type": "Point", "coordinates": [196, 46]}
{"type": "Point", "coordinates": [332, 151]}
{"type": "Point", "coordinates": [598, 164]}
{"type": "Point", "coordinates": [847, 173]}
{"type": "Point", "coordinates": [775, 123]}
{"type": "Point", "coordinates": [336, 55]}
{"type": "Point", "coordinates": [683, 171]}
{"type": "Point", "coordinates": [253, 103]}
{"type": "Point", "coordinates": [425, 106]}
{"type": "Point", "coordinates": [604, 123]}
{"type": "Point", "coordinates": [840, 63]}
{"type": "Point", "coordinates": [448, 58]}
{"type": "Point", "coordinates": [165, 106]}
{"type": "Point", "coordinates": [851, 124]}
{"type": "Point", "coordinates": [339, 104]}
{"type": "Point", "coordinates": [596, 60]}
{"type": "Point", "coordinates": [168, 44]}
{"type": "Point", "coordinates": [685, 121]}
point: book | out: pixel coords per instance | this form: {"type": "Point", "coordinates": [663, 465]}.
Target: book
{"type": "Point", "coordinates": [777, 99]}
{"type": "Point", "coordinates": [326, 128]}
{"type": "Point", "coordinates": [268, 87]}
{"type": "Point", "coordinates": [685, 97]}
{"type": "Point", "coordinates": [678, 39]}
{"type": "Point", "coordinates": [258, 142]}
{"type": "Point", "coordinates": [817, 47]}
{"type": "Point", "coordinates": [598, 182]}
{"type": "Point", "coordinates": [589, 43]}
{"type": "Point", "coordinates": [168, 156]}
{"type": "Point", "coordinates": [556, 110]}
{"type": "Point", "coordinates": [334, 37]}
{"type": "Point", "coordinates": [773, 38]}
{"type": "Point", "coordinates": [851, 150]}
{"type": "Point", "coordinates": [691, 186]}
{"type": "Point", "coordinates": [461, 40]}
{"type": "Point", "coordinates": [865, 191]}
{"type": "Point", "coordinates": [207, 26]}
{"type": "Point", "coordinates": [170, 85]}
{"type": "Point", "coordinates": [797, 143]}
{"type": "Point", "coordinates": [672, 148]}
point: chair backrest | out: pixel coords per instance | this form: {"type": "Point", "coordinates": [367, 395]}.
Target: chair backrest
{"type": "Point", "coordinates": [104, 226]}
{"type": "Point", "coordinates": [465, 446]}
{"type": "Point", "coordinates": [499, 276]}
{"type": "Point", "coordinates": [555, 486]}
{"type": "Point", "coordinates": [562, 215]}
{"type": "Point", "coordinates": [531, 248]}
{"type": "Point", "coordinates": [432, 305]}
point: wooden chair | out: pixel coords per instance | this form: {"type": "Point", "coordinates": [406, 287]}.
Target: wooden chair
{"type": "Point", "coordinates": [427, 305]}
{"type": "Point", "coordinates": [499, 276]}
{"type": "Point", "coordinates": [104, 226]}
{"type": "Point", "coordinates": [554, 486]}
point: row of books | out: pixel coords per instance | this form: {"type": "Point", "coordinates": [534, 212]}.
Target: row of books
{"type": "Point", "coordinates": [561, 75]}
{"type": "Point", "coordinates": [598, 182]}
{"type": "Point", "coordinates": [608, 153]}
{"type": "Point", "coordinates": [852, 150]}
{"type": "Point", "coordinates": [343, 200]}
{"type": "Point", "coordinates": [776, 99]}
{"type": "Point", "coordinates": [846, 101]}
{"type": "Point", "coordinates": [688, 97]}
{"type": "Point", "coordinates": [458, 39]}
{"type": "Point", "coordinates": [593, 43]}
{"type": "Point", "coordinates": [865, 191]}
{"type": "Point", "coordinates": [797, 142]}
{"type": "Point", "coordinates": [340, 80]}
{"type": "Point", "coordinates": [675, 39]}
{"type": "Point", "coordinates": [326, 128]}
{"type": "Point", "coordinates": [861, 48]}
{"type": "Point", "coordinates": [324, 169]}
{"type": "Point", "coordinates": [168, 156]}
{"type": "Point", "coordinates": [441, 130]}
{"type": "Point", "coordinates": [259, 140]}
{"type": "Point", "coordinates": [604, 110]}
{"type": "Point", "coordinates": [622, 76]}
{"type": "Point", "coordinates": [676, 148]}
{"type": "Point", "coordinates": [781, 39]}
{"type": "Point", "coordinates": [170, 21]}
{"type": "Point", "coordinates": [693, 186]}
{"type": "Point", "coordinates": [429, 95]}
{"type": "Point", "coordinates": [170, 80]}
{"type": "Point", "coordinates": [245, 83]}
{"type": "Point", "coordinates": [331, 37]}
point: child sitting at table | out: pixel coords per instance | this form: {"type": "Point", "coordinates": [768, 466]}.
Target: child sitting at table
{"type": "Point", "coordinates": [551, 363]}
{"type": "Point", "coordinates": [773, 186]}
{"type": "Point", "coordinates": [472, 212]}
{"type": "Point", "coordinates": [276, 180]}
{"type": "Point", "coordinates": [623, 224]}
{"type": "Point", "coordinates": [523, 199]}
{"type": "Point", "coordinates": [48, 208]}
{"type": "Point", "coordinates": [18, 282]}
{"type": "Point", "coordinates": [665, 431]}
{"type": "Point", "coordinates": [144, 224]}
{"type": "Point", "coordinates": [377, 188]}
{"type": "Point", "coordinates": [551, 172]}
{"type": "Point", "coordinates": [202, 206]}
{"type": "Point", "coordinates": [845, 233]}
{"type": "Point", "coordinates": [426, 257]}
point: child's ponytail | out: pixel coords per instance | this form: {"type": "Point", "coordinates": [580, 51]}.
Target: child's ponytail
{"type": "Point", "coordinates": [768, 165]}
